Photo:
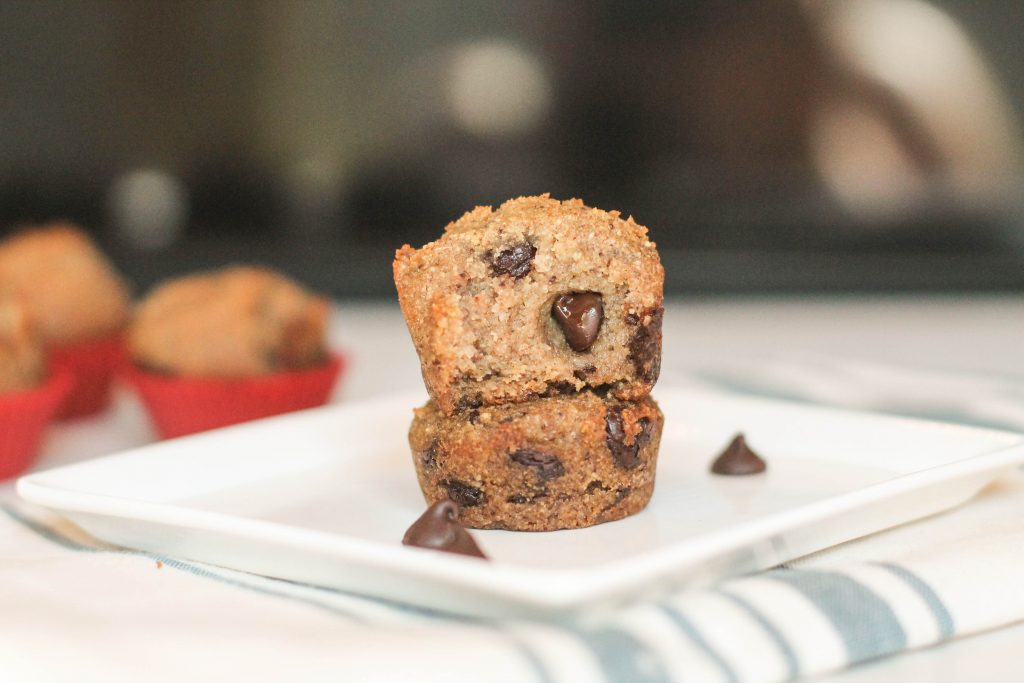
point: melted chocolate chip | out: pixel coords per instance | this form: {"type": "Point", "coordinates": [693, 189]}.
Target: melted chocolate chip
{"type": "Point", "coordinates": [632, 319]}
{"type": "Point", "coordinates": [438, 529]}
{"type": "Point", "coordinates": [596, 485]}
{"type": "Point", "coordinates": [738, 459]}
{"type": "Point", "coordinates": [580, 316]}
{"type": "Point", "coordinates": [463, 493]}
{"type": "Point", "coordinates": [645, 348]}
{"type": "Point", "coordinates": [516, 261]}
{"type": "Point", "coordinates": [626, 456]}
{"type": "Point", "coordinates": [547, 465]}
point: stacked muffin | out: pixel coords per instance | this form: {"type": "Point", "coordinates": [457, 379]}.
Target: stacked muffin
{"type": "Point", "coordinates": [538, 328]}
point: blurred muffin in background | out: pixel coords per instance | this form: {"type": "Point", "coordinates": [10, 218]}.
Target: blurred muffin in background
{"type": "Point", "coordinates": [232, 345]}
{"type": "Point", "coordinates": [78, 302]}
{"type": "Point", "coordinates": [71, 288]}
{"type": "Point", "coordinates": [22, 360]}
{"type": "Point", "coordinates": [237, 322]}
{"type": "Point", "coordinates": [29, 396]}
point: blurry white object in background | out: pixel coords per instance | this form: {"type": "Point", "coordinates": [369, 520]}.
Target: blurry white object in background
{"type": "Point", "coordinates": [148, 208]}
{"type": "Point", "coordinates": [917, 110]}
{"type": "Point", "coordinates": [497, 88]}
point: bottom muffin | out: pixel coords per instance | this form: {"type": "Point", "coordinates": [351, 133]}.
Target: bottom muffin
{"type": "Point", "coordinates": [554, 463]}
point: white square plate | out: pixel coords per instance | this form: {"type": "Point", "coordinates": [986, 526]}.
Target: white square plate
{"type": "Point", "coordinates": [324, 497]}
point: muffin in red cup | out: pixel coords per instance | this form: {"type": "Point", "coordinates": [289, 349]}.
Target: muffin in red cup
{"type": "Point", "coordinates": [29, 396]}
{"type": "Point", "coordinates": [78, 302]}
{"type": "Point", "coordinates": [232, 345]}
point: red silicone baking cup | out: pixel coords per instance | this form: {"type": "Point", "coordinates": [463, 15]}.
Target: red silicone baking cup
{"type": "Point", "coordinates": [92, 365]}
{"type": "Point", "coordinates": [185, 405]}
{"type": "Point", "coordinates": [24, 416]}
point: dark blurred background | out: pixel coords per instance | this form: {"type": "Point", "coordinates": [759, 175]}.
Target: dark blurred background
{"type": "Point", "coordinates": [771, 146]}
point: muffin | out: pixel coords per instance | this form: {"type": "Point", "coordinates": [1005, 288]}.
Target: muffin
{"type": "Point", "coordinates": [551, 463]}
{"type": "Point", "coordinates": [538, 329]}
{"type": "Point", "coordinates": [538, 298]}
{"type": "Point", "coordinates": [29, 396]}
{"type": "Point", "coordinates": [22, 359]}
{"type": "Point", "coordinates": [78, 302]}
{"type": "Point", "coordinates": [227, 346]}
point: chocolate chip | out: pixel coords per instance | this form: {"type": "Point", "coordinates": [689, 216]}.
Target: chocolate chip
{"type": "Point", "coordinates": [516, 261]}
{"type": "Point", "coordinates": [473, 415]}
{"type": "Point", "coordinates": [596, 485]}
{"type": "Point", "coordinates": [547, 465]}
{"type": "Point", "coordinates": [428, 457]}
{"type": "Point", "coordinates": [645, 348]}
{"type": "Point", "coordinates": [738, 459]}
{"type": "Point", "coordinates": [469, 403]}
{"type": "Point", "coordinates": [626, 456]}
{"type": "Point", "coordinates": [582, 373]}
{"type": "Point", "coordinates": [580, 315]}
{"type": "Point", "coordinates": [632, 319]}
{"type": "Point", "coordinates": [522, 499]}
{"type": "Point", "coordinates": [558, 389]}
{"type": "Point", "coordinates": [646, 431]}
{"type": "Point", "coordinates": [463, 493]}
{"type": "Point", "coordinates": [438, 529]}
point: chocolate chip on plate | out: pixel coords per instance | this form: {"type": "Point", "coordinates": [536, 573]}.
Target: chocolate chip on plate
{"type": "Point", "coordinates": [580, 316]}
{"type": "Point", "coordinates": [438, 529]}
{"type": "Point", "coordinates": [738, 459]}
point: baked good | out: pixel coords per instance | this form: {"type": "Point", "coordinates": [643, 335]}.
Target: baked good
{"type": "Point", "coordinates": [29, 395]}
{"type": "Point", "coordinates": [538, 298]}
{"type": "Point", "coordinates": [551, 463]}
{"type": "Point", "coordinates": [22, 359]}
{"type": "Point", "coordinates": [71, 289]}
{"type": "Point", "coordinates": [231, 323]}
{"type": "Point", "coordinates": [233, 345]}
{"type": "Point", "coordinates": [78, 303]}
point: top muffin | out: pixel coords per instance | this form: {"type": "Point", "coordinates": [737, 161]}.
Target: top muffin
{"type": "Point", "coordinates": [231, 323]}
{"type": "Point", "coordinates": [538, 298]}
{"type": "Point", "coordinates": [22, 360]}
{"type": "Point", "coordinates": [68, 285]}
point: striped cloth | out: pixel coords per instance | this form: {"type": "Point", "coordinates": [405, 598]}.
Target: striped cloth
{"type": "Point", "coordinates": [73, 609]}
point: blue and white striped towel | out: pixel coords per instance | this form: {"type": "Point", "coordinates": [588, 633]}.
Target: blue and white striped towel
{"type": "Point", "coordinates": [85, 612]}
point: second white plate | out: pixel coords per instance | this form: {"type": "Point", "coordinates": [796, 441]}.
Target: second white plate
{"type": "Point", "coordinates": [324, 497]}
